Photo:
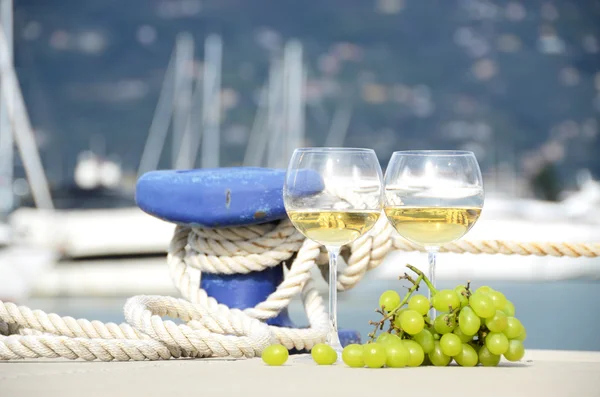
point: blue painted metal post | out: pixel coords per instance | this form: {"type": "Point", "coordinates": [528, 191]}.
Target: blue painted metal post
{"type": "Point", "coordinates": [242, 291]}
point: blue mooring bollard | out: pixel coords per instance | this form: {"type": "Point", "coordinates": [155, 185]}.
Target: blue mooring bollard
{"type": "Point", "coordinates": [242, 291]}
{"type": "Point", "coordinates": [227, 197]}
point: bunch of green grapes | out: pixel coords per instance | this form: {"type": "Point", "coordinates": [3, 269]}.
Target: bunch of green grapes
{"type": "Point", "coordinates": [471, 328]}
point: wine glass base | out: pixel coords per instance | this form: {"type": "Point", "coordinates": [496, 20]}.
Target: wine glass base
{"type": "Point", "coordinates": [336, 344]}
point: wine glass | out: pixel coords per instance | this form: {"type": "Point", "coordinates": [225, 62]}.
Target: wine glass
{"type": "Point", "coordinates": [347, 205]}
{"type": "Point", "coordinates": [433, 197]}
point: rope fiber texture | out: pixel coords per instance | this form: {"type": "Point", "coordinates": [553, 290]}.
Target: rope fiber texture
{"type": "Point", "coordinates": [209, 329]}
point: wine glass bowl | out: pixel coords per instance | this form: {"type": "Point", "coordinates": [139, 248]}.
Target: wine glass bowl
{"type": "Point", "coordinates": [350, 202]}
{"type": "Point", "coordinates": [348, 205]}
{"type": "Point", "coordinates": [433, 197]}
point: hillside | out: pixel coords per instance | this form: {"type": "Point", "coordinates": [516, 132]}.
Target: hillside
{"type": "Point", "coordinates": [517, 82]}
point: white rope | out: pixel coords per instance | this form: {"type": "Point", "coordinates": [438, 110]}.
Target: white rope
{"type": "Point", "coordinates": [211, 329]}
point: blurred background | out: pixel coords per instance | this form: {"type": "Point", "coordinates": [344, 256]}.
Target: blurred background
{"type": "Point", "coordinates": [97, 92]}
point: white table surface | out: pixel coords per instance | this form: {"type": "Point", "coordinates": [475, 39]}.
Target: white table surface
{"type": "Point", "coordinates": [541, 373]}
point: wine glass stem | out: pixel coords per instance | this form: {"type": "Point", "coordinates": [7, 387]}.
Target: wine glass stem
{"type": "Point", "coordinates": [333, 338]}
{"type": "Point", "coordinates": [431, 257]}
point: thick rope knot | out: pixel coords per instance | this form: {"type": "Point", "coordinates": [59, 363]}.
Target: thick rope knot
{"type": "Point", "coordinates": [186, 264]}
{"type": "Point", "coordinates": [241, 250]}
{"type": "Point", "coordinates": [211, 329]}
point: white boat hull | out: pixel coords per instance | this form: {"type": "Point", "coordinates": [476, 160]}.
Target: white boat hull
{"type": "Point", "coordinates": [123, 277]}
{"type": "Point", "coordinates": [19, 266]}
{"type": "Point", "coordinates": [91, 233]}
{"type": "Point", "coordinates": [5, 235]}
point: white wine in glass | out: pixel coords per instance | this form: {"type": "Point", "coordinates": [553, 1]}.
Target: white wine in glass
{"type": "Point", "coordinates": [333, 228]}
{"type": "Point", "coordinates": [432, 226]}
{"type": "Point", "coordinates": [433, 197]}
{"type": "Point", "coordinates": [347, 207]}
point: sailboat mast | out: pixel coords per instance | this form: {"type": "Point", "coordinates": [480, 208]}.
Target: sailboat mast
{"type": "Point", "coordinates": [211, 109]}
{"type": "Point", "coordinates": [207, 98]}
{"type": "Point", "coordinates": [183, 100]}
{"type": "Point", "coordinates": [159, 128]}
{"type": "Point", "coordinates": [339, 125]}
{"type": "Point", "coordinates": [286, 106]}
{"type": "Point", "coordinates": [20, 127]}
{"type": "Point", "coordinates": [275, 121]}
{"type": "Point", "coordinates": [294, 99]}
{"type": "Point", "coordinates": [257, 139]}
{"type": "Point", "coordinates": [6, 136]}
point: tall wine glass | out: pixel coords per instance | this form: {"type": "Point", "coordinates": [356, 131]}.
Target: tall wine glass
{"type": "Point", "coordinates": [347, 205]}
{"type": "Point", "coordinates": [433, 197]}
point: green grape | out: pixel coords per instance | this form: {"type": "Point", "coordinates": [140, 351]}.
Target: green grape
{"type": "Point", "coordinates": [374, 355]}
{"type": "Point", "coordinates": [513, 328]}
{"type": "Point", "coordinates": [463, 337]}
{"type": "Point", "coordinates": [523, 335]}
{"type": "Point", "coordinates": [383, 337]}
{"type": "Point", "coordinates": [397, 355]}
{"type": "Point", "coordinates": [425, 339]}
{"type": "Point", "coordinates": [411, 322]}
{"type": "Point", "coordinates": [482, 305]}
{"type": "Point", "coordinates": [389, 300]}
{"type": "Point", "coordinates": [498, 299]}
{"type": "Point", "coordinates": [467, 357]}
{"type": "Point", "coordinates": [396, 317]}
{"type": "Point", "coordinates": [437, 356]}
{"type": "Point", "coordinates": [444, 323]}
{"type": "Point", "coordinates": [416, 353]}
{"type": "Point", "coordinates": [352, 355]}
{"type": "Point", "coordinates": [487, 358]}
{"type": "Point", "coordinates": [275, 355]}
{"type": "Point", "coordinates": [464, 301]}
{"type": "Point", "coordinates": [484, 289]}
{"type": "Point", "coordinates": [323, 354]}
{"type": "Point", "coordinates": [509, 309]}
{"type": "Point", "coordinates": [515, 351]}
{"type": "Point", "coordinates": [390, 339]}
{"type": "Point", "coordinates": [498, 323]}
{"type": "Point", "coordinates": [451, 344]}
{"type": "Point", "coordinates": [468, 321]}
{"type": "Point", "coordinates": [419, 303]}
{"type": "Point", "coordinates": [445, 299]}
{"type": "Point", "coordinates": [496, 342]}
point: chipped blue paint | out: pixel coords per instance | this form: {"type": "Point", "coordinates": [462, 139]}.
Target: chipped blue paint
{"type": "Point", "coordinates": [200, 198]}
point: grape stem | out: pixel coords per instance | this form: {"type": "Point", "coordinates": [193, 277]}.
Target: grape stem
{"type": "Point", "coordinates": [424, 278]}
{"type": "Point", "coordinates": [392, 313]}
{"type": "Point", "coordinates": [467, 292]}
{"type": "Point", "coordinates": [481, 334]}
{"type": "Point", "coordinates": [452, 315]}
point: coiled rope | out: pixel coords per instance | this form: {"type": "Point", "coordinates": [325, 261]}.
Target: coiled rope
{"type": "Point", "coordinates": [209, 329]}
